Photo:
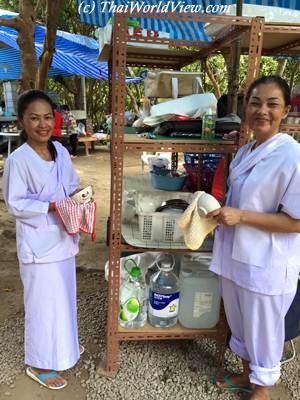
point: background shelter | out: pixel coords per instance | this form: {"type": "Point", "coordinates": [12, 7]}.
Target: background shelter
{"type": "Point", "coordinates": [94, 13]}
{"type": "Point", "coordinates": [74, 54]}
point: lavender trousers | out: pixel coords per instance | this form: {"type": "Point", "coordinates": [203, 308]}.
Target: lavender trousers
{"type": "Point", "coordinates": [257, 325]}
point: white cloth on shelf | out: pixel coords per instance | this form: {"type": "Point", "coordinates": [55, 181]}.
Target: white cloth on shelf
{"type": "Point", "coordinates": [195, 228]}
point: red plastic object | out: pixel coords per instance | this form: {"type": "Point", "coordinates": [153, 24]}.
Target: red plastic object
{"type": "Point", "coordinates": [218, 181]}
{"type": "Point", "coordinates": [198, 179]}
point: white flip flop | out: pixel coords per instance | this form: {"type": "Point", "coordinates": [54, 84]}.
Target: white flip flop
{"type": "Point", "coordinates": [41, 378]}
{"type": "Point", "coordinates": [81, 349]}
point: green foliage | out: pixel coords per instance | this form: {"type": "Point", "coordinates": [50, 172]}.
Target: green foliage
{"type": "Point", "coordinates": [218, 67]}
{"type": "Point", "coordinates": [292, 72]}
{"type": "Point", "coordinates": [10, 5]}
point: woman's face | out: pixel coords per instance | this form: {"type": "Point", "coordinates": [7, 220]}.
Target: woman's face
{"type": "Point", "coordinates": [38, 121]}
{"type": "Point", "coordinates": [265, 110]}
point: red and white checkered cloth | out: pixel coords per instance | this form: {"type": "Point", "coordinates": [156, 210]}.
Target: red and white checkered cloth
{"type": "Point", "coordinates": [77, 217]}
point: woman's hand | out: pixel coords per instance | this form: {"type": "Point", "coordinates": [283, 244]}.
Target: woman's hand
{"type": "Point", "coordinates": [227, 215]}
{"type": "Point", "coordinates": [270, 222]}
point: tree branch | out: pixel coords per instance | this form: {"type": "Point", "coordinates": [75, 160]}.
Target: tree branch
{"type": "Point", "coordinates": [11, 22]}
{"type": "Point", "coordinates": [281, 67]}
{"type": "Point", "coordinates": [213, 80]}
{"type": "Point", "coordinates": [66, 84]}
{"type": "Point", "coordinates": [37, 6]}
{"type": "Point", "coordinates": [133, 99]}
{"type": "Point", "coordinates": [52, 13]}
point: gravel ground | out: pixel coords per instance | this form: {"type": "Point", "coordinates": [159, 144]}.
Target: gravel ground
{"type": "Point", "coordinates": [148, 370]}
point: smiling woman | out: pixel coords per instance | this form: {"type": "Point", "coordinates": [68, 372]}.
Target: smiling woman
{"type": "Point", "coordinates": [257, 244]}
{"type": "Point", "coordinates": [267, 105]}
{"type": "Point", "coordinates": [36, 175]}
{"type": "Point", "coordinates": [37, 121]}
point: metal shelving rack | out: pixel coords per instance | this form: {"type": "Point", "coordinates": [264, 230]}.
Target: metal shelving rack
{"type": "Point", "coordinates": [121, 56]}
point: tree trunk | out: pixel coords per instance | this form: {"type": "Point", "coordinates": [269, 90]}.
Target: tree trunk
{"type": "Point", "coordinates": [26, 42]}
{"type": "Point", "coordinates": [77, 100]}
{"type": "Point", "coordinates": [233, 82]}
{"type": "Point", "coordinates": [67, 83]}
{"type": "Point", "coordinates": [24, 23]}
{"type": "Point", "coordinates": [227, 58]}
{"type": "Point", "coordinates": [280, 67]}
{"type": "Point", "coordinates": [295, 69]}
{"type": "Point", "coordinates": [52, 16]}
{"type": "Point", "coordinates": [133, 99]}
{"type": "Point", "coordinates": [213, 80]}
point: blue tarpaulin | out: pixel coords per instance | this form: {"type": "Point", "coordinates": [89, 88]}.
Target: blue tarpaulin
{"type": "Point", "coordinates": [98, 12]}
{"type": "Point", "coordinates": [74, 54]}
{"type": "Point", "coordinates": [10, 65]}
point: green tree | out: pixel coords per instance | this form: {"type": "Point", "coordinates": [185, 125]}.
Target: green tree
{"type": "Point", "coordinates": [33, 74]}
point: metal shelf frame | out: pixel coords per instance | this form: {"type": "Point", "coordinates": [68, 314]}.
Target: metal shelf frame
{"type": "Point", "coordinates": [119, 146]}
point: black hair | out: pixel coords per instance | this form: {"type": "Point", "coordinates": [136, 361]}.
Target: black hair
{"type": "Point", "coordinates": [278, 81]}
{"type": "Point", "coordinates": [65, 107]}
{"type": "Point", "coordinates": [24, 100]}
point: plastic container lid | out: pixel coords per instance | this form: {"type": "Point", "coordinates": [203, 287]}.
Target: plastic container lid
{"type": "Point", "coordinates": [165, 262]}
{"type": "Point", "coordinates": [135, 272]}
{"type": "Point", "coordinates": [166, 266]}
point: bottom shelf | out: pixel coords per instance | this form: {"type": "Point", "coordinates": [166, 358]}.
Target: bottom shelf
{"type": "Point", "coordinates": [176, 332]}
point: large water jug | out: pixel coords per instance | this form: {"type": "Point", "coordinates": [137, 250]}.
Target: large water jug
{"type": "Point", "coordinates": [200, 298]}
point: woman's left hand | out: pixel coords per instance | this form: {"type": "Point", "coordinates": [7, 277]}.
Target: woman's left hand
{"type": "Point", "coordinates": [227, 215]}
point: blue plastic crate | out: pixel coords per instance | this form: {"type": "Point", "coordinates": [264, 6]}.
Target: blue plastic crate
{"type": "Point", "coordinates": [193, 158]}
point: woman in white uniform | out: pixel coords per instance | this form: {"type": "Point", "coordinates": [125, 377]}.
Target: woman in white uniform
{"type": "Point", "coordinates": [257, 244]}
{"type": "Point", "coordinates": [36, 175]}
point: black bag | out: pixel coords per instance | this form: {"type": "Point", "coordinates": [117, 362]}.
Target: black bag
{"type": "Point", "coordinates": [193, 128]}
{"type": "Point", "coordinates": [292, 318]}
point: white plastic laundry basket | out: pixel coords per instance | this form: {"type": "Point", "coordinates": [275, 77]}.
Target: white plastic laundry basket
{"type": "Point", "coordinates": [159, 226]}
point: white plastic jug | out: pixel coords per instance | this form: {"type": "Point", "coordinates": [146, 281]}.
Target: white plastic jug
{"type": "Point", "coordinates": [200, 298]}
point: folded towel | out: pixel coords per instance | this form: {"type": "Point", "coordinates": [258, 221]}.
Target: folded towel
{"type": "Point", "coordinates": [194, 227]}
{"type": "Point", "coordinates": [77, 217]}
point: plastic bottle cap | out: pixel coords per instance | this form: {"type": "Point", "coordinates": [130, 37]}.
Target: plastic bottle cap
{"type": "Point", "coordinates": [166, 266]}
{"type": "Point", "coordinates": [135, 272]}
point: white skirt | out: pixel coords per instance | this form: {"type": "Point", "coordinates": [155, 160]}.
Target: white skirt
{"type": "Point", "coordinates": [51, 332]}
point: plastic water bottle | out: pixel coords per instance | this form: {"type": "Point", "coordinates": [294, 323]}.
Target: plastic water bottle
{"type": "Point", "coordinates": [133, 299]}
{"type": "Point", "coordinates": [164, 294]}
{"type": "Point", "coordinates": [208, 125]}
